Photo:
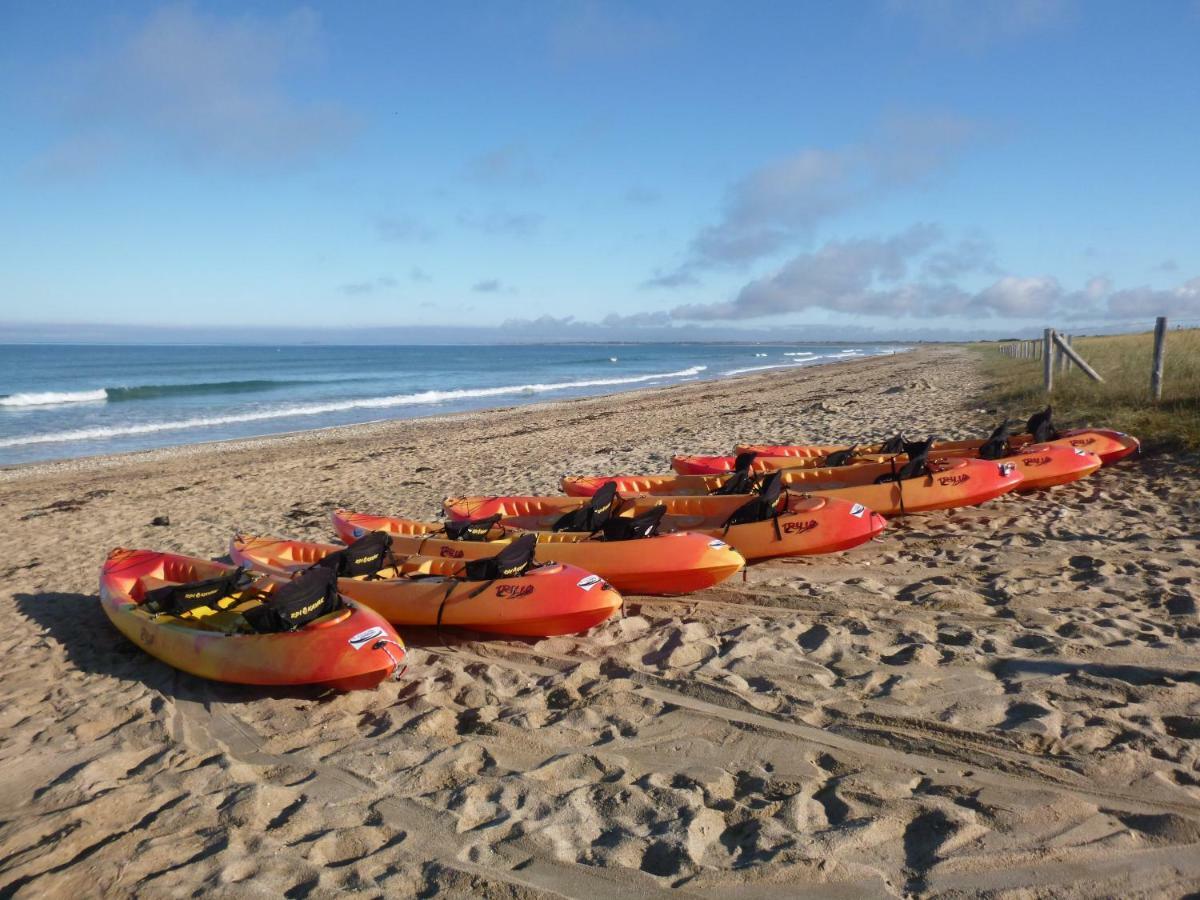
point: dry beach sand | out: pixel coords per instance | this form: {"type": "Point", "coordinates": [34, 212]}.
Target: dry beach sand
{"type": "Point", "coordinates": [1000, 701]}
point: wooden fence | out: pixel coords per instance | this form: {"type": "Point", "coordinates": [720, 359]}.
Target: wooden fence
{"type": "Point", "coordinates": [1057, 355]}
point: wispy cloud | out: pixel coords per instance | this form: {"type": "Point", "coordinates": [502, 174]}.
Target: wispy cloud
{"type": "Point", "coordinates": [974, 24]}
{"type": "Point", "coordinates": [370, 286]}
{"type": "Point", "coordinates": [639, 195]}
{"type": "Point", "coordinates": [499, 222]}
{"type": "Point", "coordinates": [488, 286]}
{"type": "Point", "coordinates": [591, 31]}
{"type": "Point", "coordinates": [781, 203]}
{"type": "Point", "coordinates": [839, 275]}
{"type": "Point", "coordinates": [209, 87]}
{"type": "Point", "coordinates": [673, 279]}
{"type": "Point", "coordinates": [402, 229]}
{"type": "Point", "coordinates": [508, 166]}
{"type": "Point", "coordinates": [76, 156]}
{"type": "Point", "coordinates": [974, 253]}
{"type": "Point", "coordinates": [917, 273]}
{"type": "Point", "coordinates": [637, 320]}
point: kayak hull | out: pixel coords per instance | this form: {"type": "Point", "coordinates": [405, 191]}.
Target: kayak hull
{"type": "Point", "coordinates": [666, 564]}
{"type": "Point", "coordinates": [1111, 446]}
{"type": "Point", "coordinates": [952, 483]}
{"type": "Point", "coordinates": [549, 600]}
{"type": "Point", "coordinates": [1050, 465]}
{"type": "Point", "coordinates": [321, 653]}
{"type": "Point", "coordinates": [1041, 465]}
{"type": "Point", "coordinates": [806, 526]}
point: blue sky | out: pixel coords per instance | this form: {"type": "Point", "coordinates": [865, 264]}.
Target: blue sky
{"type": "Point", "coordinates": [900, 167]}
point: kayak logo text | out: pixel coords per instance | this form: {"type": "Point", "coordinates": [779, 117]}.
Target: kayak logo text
{"type": "Point", "coordinates": [1035, 460]}
{"type": "Point", "coordinates": [452, 553]}
{"type": "Point", "coordinates": [950, 480]}
{"type": "Point", "coordinates": [512, 591]}
{"type": "Point", "coordinates": [799, 527]}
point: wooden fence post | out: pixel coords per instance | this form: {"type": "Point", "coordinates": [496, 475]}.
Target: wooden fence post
{"type": "Point", "coordinates": [1048, 359]}
{"type": "Point", "coordinates": [1160, 350]}
{"type": "Point", "coordinates": [1079, 361]}
{"type": "Point", "coordinates": [1060, 356]}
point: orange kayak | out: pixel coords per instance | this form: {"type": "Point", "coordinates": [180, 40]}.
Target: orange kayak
{"type": "Point", "coordinates": [1109, 445]}
{"type": "Point", "coordinates": [660, 564]}
{"type": "Point", "coordinates": [429, 590]}
{"type": "Point", "coordinates": [1042, 465]}
{"type": "Point", "coordinates": [195, 615]}
{"type": "Point", "coordinates": [949, 484]}
{"type": "Point", "coordinates": [800, 526]}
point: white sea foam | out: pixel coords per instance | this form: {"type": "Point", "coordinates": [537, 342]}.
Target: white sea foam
{"type": "Point", "coordinates": [786, 365]}
{"type": "Point", "coordinates": [51, 398]}
{"type": "Point", "coordinates": [316, 409]}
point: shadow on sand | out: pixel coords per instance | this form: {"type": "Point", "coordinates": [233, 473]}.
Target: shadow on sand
{"type": "Point", "coordinates": [93, 644]}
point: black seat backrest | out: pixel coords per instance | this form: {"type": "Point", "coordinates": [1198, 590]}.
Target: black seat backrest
{"type": "Point", "coordinates": [366, 556]}
{"type": "Point", "coordinates": [473, 530]}
{"type": "Point", "coordinates": [894, 444]}
{"type": "Point", "coordinates": [511, 562]}
{"type": "Point", "coordinates": [592, 515]}
{"type": "Point", "coordinates": [762, 506]}
{"type": "Point", "coordinates": [996, 446]}
{"type": "Point", "coordinates": [1041, 426]}
{"type": "Point", "coordinates": [741, 481]}
{"type": "Point", "coordinates": [841, 457]}
{"type": "Point", "coordinates": [308, 596]}
{"type": "Point", "coordinates": [621, 528]}
{"type": "Point", "coordinates": [916, 467]}
{"type": "Point", "coordinates": [176, 599]}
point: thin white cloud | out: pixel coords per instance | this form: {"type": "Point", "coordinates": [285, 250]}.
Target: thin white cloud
{"type": "Point", "coordinates": [501, 222]}
{"type": "Point", "coordinates": [402, 229]}
{"type": "Point", "coordinates": [917, 274]}
{"type": "Point", "coordinates": [677, 278]}
{"type": "Point", "coordinates": [508, 166]}
{"type": "Point", "coordinates": [207, 87]}
{"type": "Point", "coordinates": [639, 195]}
{"type": "Point", "coordinates": [591, 31]}
{"type": "Point", "coordinates": [370, 286]}
{"type": "Point", "coordinates": [781, 203]}
{"type": "Point", "coordinates": [975, 24]}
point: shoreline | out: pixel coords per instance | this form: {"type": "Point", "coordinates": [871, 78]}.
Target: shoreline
{"type": "Point", "coordinates": [1003, 698]}
{"type": "Point", "coordinates": [15, 471]}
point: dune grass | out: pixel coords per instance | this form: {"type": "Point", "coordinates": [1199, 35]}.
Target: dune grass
{"type": "Point", "coordinates": [1123, 400]}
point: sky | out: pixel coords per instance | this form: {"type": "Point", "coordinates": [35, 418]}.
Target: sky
{"type": "Point", "coordinates": [654, 170]}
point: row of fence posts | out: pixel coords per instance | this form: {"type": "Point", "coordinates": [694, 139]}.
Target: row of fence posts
{"type": "Point", "coordinates": [1056, 353]}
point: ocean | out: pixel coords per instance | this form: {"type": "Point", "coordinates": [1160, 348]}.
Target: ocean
{"type": "Point", "coordinates": [59, 401]}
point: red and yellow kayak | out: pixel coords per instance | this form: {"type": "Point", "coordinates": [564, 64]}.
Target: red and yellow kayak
{"type": "Point", "coordinates": [1107, 444]}
{"type": "Point", "coordinates": [430, 590]}
{"type": "Point", "coordinates": [675, 563]}
{"type": "Point", "coordinates": [1042, 465]}
{"type": "Point", "coordinates": [804, 526]}
{"type": "Point", "coordinates": [351, 647]}
{"type": "Point", "coordinates": [950, 483]}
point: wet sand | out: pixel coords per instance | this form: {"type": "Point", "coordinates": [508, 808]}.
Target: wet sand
{"type": "Point", "coordinates": [1002, 700]}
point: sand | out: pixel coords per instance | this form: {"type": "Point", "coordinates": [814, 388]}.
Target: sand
{"type": "Point", "coordinates": [1001, 701]}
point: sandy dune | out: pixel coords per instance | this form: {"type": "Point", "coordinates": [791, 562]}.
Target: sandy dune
{"type": "Point", "coordinates": [1004, 700]}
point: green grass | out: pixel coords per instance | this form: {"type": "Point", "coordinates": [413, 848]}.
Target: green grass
{"type": "Point", "coordinates": [1123, 400]}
